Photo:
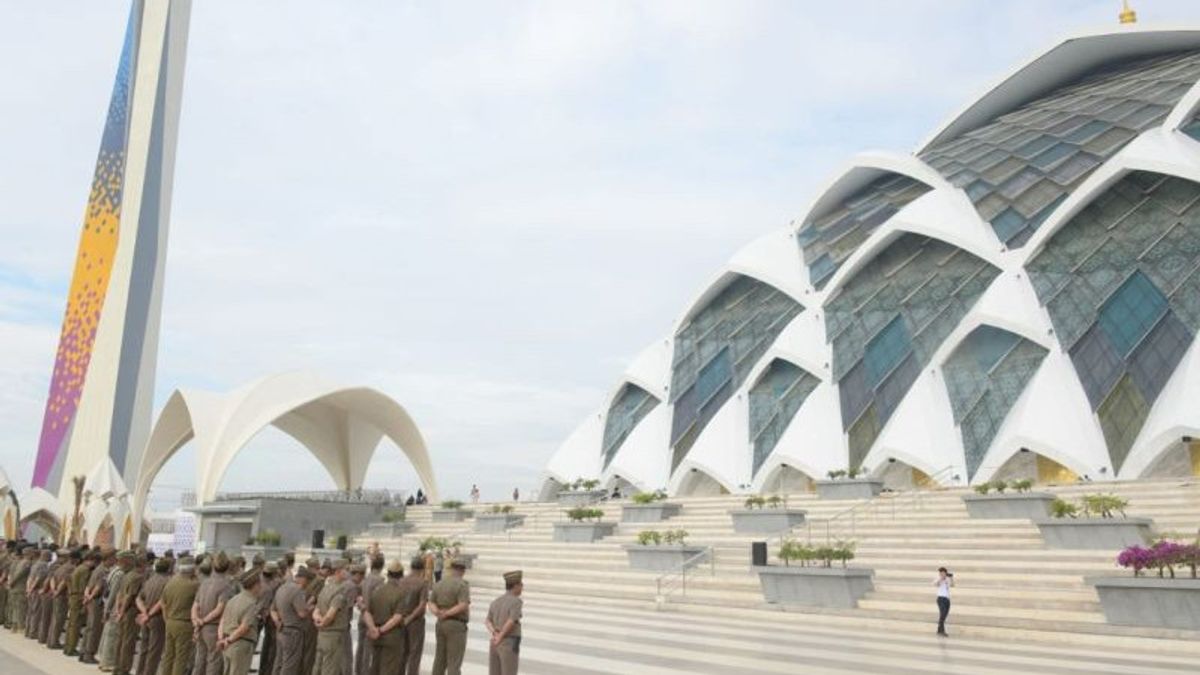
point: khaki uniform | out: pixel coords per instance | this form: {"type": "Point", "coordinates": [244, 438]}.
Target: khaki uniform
{"type": "Point", "coordinates": [451, 633]}
{"type": "Point", "coordinates": [177, 599]}
{"type": "Point", "coordinates": [5, 562]}
{"type": "Point", "coordinates": [33, 615]}
{"type": "Point", "coordinates": [108, 638]}
{"type": "Point", "coordinates": [59, 604]}
{"type": "Point", "coordinates": [47, 601]}
{"type": "Point", "coordinates": [415, 592]}
{"type": "Point", "coordinates": [242, 609]}
{"type": "Point", "coordinates": [291, 604]}
{"type": "Point", "coordinates": [212, 592]}
{"type": "Point", "coordinates": [503, 658]}
{"type": "Point", "coordinates": [127, 627]}
{"type": "Point", "coordinates": [362, 658]}
{"type": "Point", "coordinates": [75, 588]}
{"type": "Point", "coordinates": [332, 636]}
{"type": "Point", "coordinates": [17, 596]}
{"type": "Point", "coordinates": [270, 643]}
{"type": "Point", "coordinates": [97, 583]}
{"type": "Point", "coordinates": [386, 601]}
{"type": "Point", "coordinates": [310, 631]}
{"type": "Point", "coordinates": [154, 633]}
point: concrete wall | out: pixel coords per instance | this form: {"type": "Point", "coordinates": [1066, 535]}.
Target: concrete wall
{"type": "Point", "coordinates": [294, 520]}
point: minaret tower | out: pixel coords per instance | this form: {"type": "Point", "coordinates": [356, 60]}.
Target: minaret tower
{"type": "Point", "coordinates": [102, 386]}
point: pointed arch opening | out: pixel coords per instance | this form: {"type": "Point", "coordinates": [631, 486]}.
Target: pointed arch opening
{"type": "Point", "coordinates": [787, 479]}
{"type": "Point", "coordinates": [698, 483]}
{"type": "Point", "coordinates": [1026, 464]}
{"type": "Point", "coordinates": [1180, 458]}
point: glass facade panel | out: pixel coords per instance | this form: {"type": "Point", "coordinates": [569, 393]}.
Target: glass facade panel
{"type": "Point", "coordinates": [1119, 281]}
{"type": "Point", "coordinates": [984, 377]}
{"type": "Point", "coordinates": [1061, 137]}
{"type": "Point", "coordinates": [716, 349]}
{"type": "Point", "coordinates": [628, 408]}
{"type": "Point", "coordinates": [829, 239]}
{"type": "Point", "coordinates": [922, 287]}
{"type": "Point", "coordinates": [774, 401]}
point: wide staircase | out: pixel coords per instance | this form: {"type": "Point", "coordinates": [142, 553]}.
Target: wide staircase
{"type": "Point", "coordinates": [1015, 601]}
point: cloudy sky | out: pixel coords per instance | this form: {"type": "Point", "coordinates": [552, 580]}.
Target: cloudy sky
{"type": "Point", "coordinates": [483, 208]}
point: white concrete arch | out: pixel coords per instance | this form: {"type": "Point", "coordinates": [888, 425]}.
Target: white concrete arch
{"type": "Point", "coordinates": [861, 171]}
{"type": "Point", "coordinates": [644, 458]}
{"type": "Point", "coordinates": [693, 479]}
{"type": "Point", "coordinates": [340, 425]}
{"type": "Point", "coordinates": [1065, 61]}
{"type": "Point", "coordinates": [943, 215]}
{"type": "Point", "coordinates": [1158, 150]}
{"type": "Point", "coordinates": [1185, 110]}
{"type": "Point", "coordinates": [579, 456]}
{"type": "Point", "coordinates": [1173, 416]}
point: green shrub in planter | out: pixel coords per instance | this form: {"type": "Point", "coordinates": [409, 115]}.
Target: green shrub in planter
{"type": "Point", "coordinates": [436, 544]}
{"type": "Point", "coordinates": [675, 537]}
{"type": "Point", "coordinates": [794, 551]}
{"type": "Point", "coordinates": [1061, 508]}
{"type": "Point", "coordinates": [774, 501]}
{"type": "Point", "coordinates": [497, 508]}
{"type": "Point", "coordinates": [584, 484]}
{"type": "Point", "coordinates": [267, 538]}
{"type": "Point", "coordinates": [392, 517]}
{"type": "Point", "coordinates": [999, 486]}
{"type": "Point", "coordinates": [854, 472]}
{"type": "Point", "coordinates": [1023, 485]}
{"type": "Point", "coordinates": [649, 497]}
{"type": "Point", "coordinates": [649, 537]}
{"type": "Point", "coordinates": [755, 502]}
{"type": "Point", "coordinates": [582, 513]}
{"type": "Point", "coordinates": [983, 488]}
{"type": "Point", "coordinates": [1103, 505]}
{"type": "Point", "coordinates": [452, 504]}
{"type": "Point", "coordinates": [836, 474]}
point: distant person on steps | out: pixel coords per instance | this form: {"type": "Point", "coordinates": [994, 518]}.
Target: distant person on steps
{"type": "Point", "coordinates": [944, 582]}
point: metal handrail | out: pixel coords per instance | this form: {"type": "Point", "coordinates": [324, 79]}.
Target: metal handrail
{"type": "Point", "coordinates": [669, 581]}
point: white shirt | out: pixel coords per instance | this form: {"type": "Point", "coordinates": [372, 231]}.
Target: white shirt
{"type": "Point", "coordinates": [943, 586]}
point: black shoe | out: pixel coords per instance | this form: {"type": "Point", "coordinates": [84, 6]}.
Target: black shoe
{"type": "Point", "coordinates": [90, 660]}
{"type": "Point", "coordinates": [942, 633]}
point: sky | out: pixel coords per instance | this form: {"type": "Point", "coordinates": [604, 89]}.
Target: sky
{"type": "Point", "coordinates": [483, 209]}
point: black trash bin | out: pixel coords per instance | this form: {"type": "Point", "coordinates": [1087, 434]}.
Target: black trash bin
{"type": "Point", "coordinates": [318, 539]}
{"type": "Point", "coordinates": [758, 553]}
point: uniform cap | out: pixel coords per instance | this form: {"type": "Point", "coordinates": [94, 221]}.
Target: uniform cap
{"type": "Point", "coordinates": [513, 577]}
{"type": "Point", "coordinates": [395, 567]}
{"type": "Point", "coordinates": [326, 564]}
{"type": "Point", "coordinates": [249, 579]}
{"type": "Point", "coordinates": [357, 568]}
{"type": "Point", "coordinates": [126, 555]}
{"type": "Point", "coordinates": [339, 564]}
{"type": "Point", "coordinates": [162, 565]}
{"type": "Point", "coordinates": [205, 567]}
{"type": "Point", "coordinates": [259, 561]}
{"type": "Point", "coordinates": [304, 573]}
{"type": "Point", "coordinates": [312, 562]}
{"type": "Point", "coordinates": [271, 568]}
{"type": "Point", "coordinates": [459, 565]}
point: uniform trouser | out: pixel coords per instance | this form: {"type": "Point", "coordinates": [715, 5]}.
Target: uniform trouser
{"type": "Point", "coordinates": [57, 621]}
{"type": "Point", "coordinates": [95, 628]}
{"type": "Point", "coordinates": [266, 658]}
{"type": "Point", "coordinates": [17, 613]}
{"type": "Point", "coordinates": [154, 635]}
{"type": "Point", "coordinates": [451, 645]}
{"type": "Point", "coordinates": [414, 646]}
{"type": "Point", "coordinates": [108, 643]}
{"type": "Point", "coordinates": [366, 650]}
{"type": "Point", "coordinates": [3, 604]}
{"type": "Point", "coordinates": [33, 603]}
{"type": "Point", "coordinates": [330, 652]}
{"type": "Point", "coordinates": [178, 651]}
{"type": "Point", "coordinates": [237, 657]}
{"type": "Point", "coordinates": [348, 652]}
{"type": "Point", "coordinates": [127, 635]}
{"type": "Point", "coordinates": [388, 655]}
{"type": "Point", "coordinates": [503, 658]}
{"type": "Point", "coordinates": [208, 657]}
{"type": "Point", "coordinates": [309, 656]}
{"type": "Point", "coordinates": [43, 635]}
{"type": "Point", "coordinates": [74, 623]}
{"type": "Point", "coordinates": [289, 650]}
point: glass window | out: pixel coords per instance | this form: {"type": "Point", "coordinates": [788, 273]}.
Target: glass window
{"type": "Point", "coordinates": [1153, 362]}
{"type": "Point", "coordinates": [885, 351]}
{"type": "Point", "coordinates": [1131, 312]}
{"type": "Point", "coordinates": [1097, 364]}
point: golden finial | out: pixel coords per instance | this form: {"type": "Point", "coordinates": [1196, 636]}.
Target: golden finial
{"type": "Point", "coordinates": [1127, 15]}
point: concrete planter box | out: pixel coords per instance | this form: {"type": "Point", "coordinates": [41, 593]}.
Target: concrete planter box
{"type": "Point", "coordinates": [451, 515]}
{"type": "Point", "coordinates": [849, 488]}
{"type": "Point", "coordinates": [582, 532]}
{"type": "Point", "coordinates": [663, 558]}
{"type": "Point", "coordinates": [269, 553]}
{"type": "Point", "coordinates": [1017, 505]}
{"type": "Point", "coordinates": [1150, 601]}
{"type": "Point", "coordinates": [497, 523]}
{"type": "Point", "coordinates": [766, 520]}
{"type": "Point", "coordinates": [648, 513]}
{"type": "Point", "coordinates": [580, 497]}
{"type": "Point", "coordinates": [1093, 533]}
{"type": "Point", "coordinates": [386, 530]}
{"type": "Point", "coordinates": [815, 586]}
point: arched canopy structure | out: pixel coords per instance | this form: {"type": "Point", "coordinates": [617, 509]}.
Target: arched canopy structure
{"type": "Point", "coordinates": [340, 425]}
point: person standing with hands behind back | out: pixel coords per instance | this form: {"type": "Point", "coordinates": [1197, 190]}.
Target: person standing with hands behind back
{"type": "Point", "coordinates": [944, 582]}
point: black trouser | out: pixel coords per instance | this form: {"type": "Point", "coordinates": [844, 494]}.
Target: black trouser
{"type": "Point", "coordinates": [943, 612]}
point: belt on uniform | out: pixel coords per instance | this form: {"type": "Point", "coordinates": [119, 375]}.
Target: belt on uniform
{"type": "Point", "coordinates": [454, 618]}
{"type": "Point", "coordinates": [246, 639]}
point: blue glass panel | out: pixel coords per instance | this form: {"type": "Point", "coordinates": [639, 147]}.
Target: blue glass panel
{"type": "Point", "coordinates": [629, 407]}
{"type": "Point", "coordinates": [774, 401]}
{"type": "Point", "coordinates": [1131, 312]}
{"type": "Point", "coordinates": [886, 350]}
{"type": "Point", "coordinates": [1192, 128]}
